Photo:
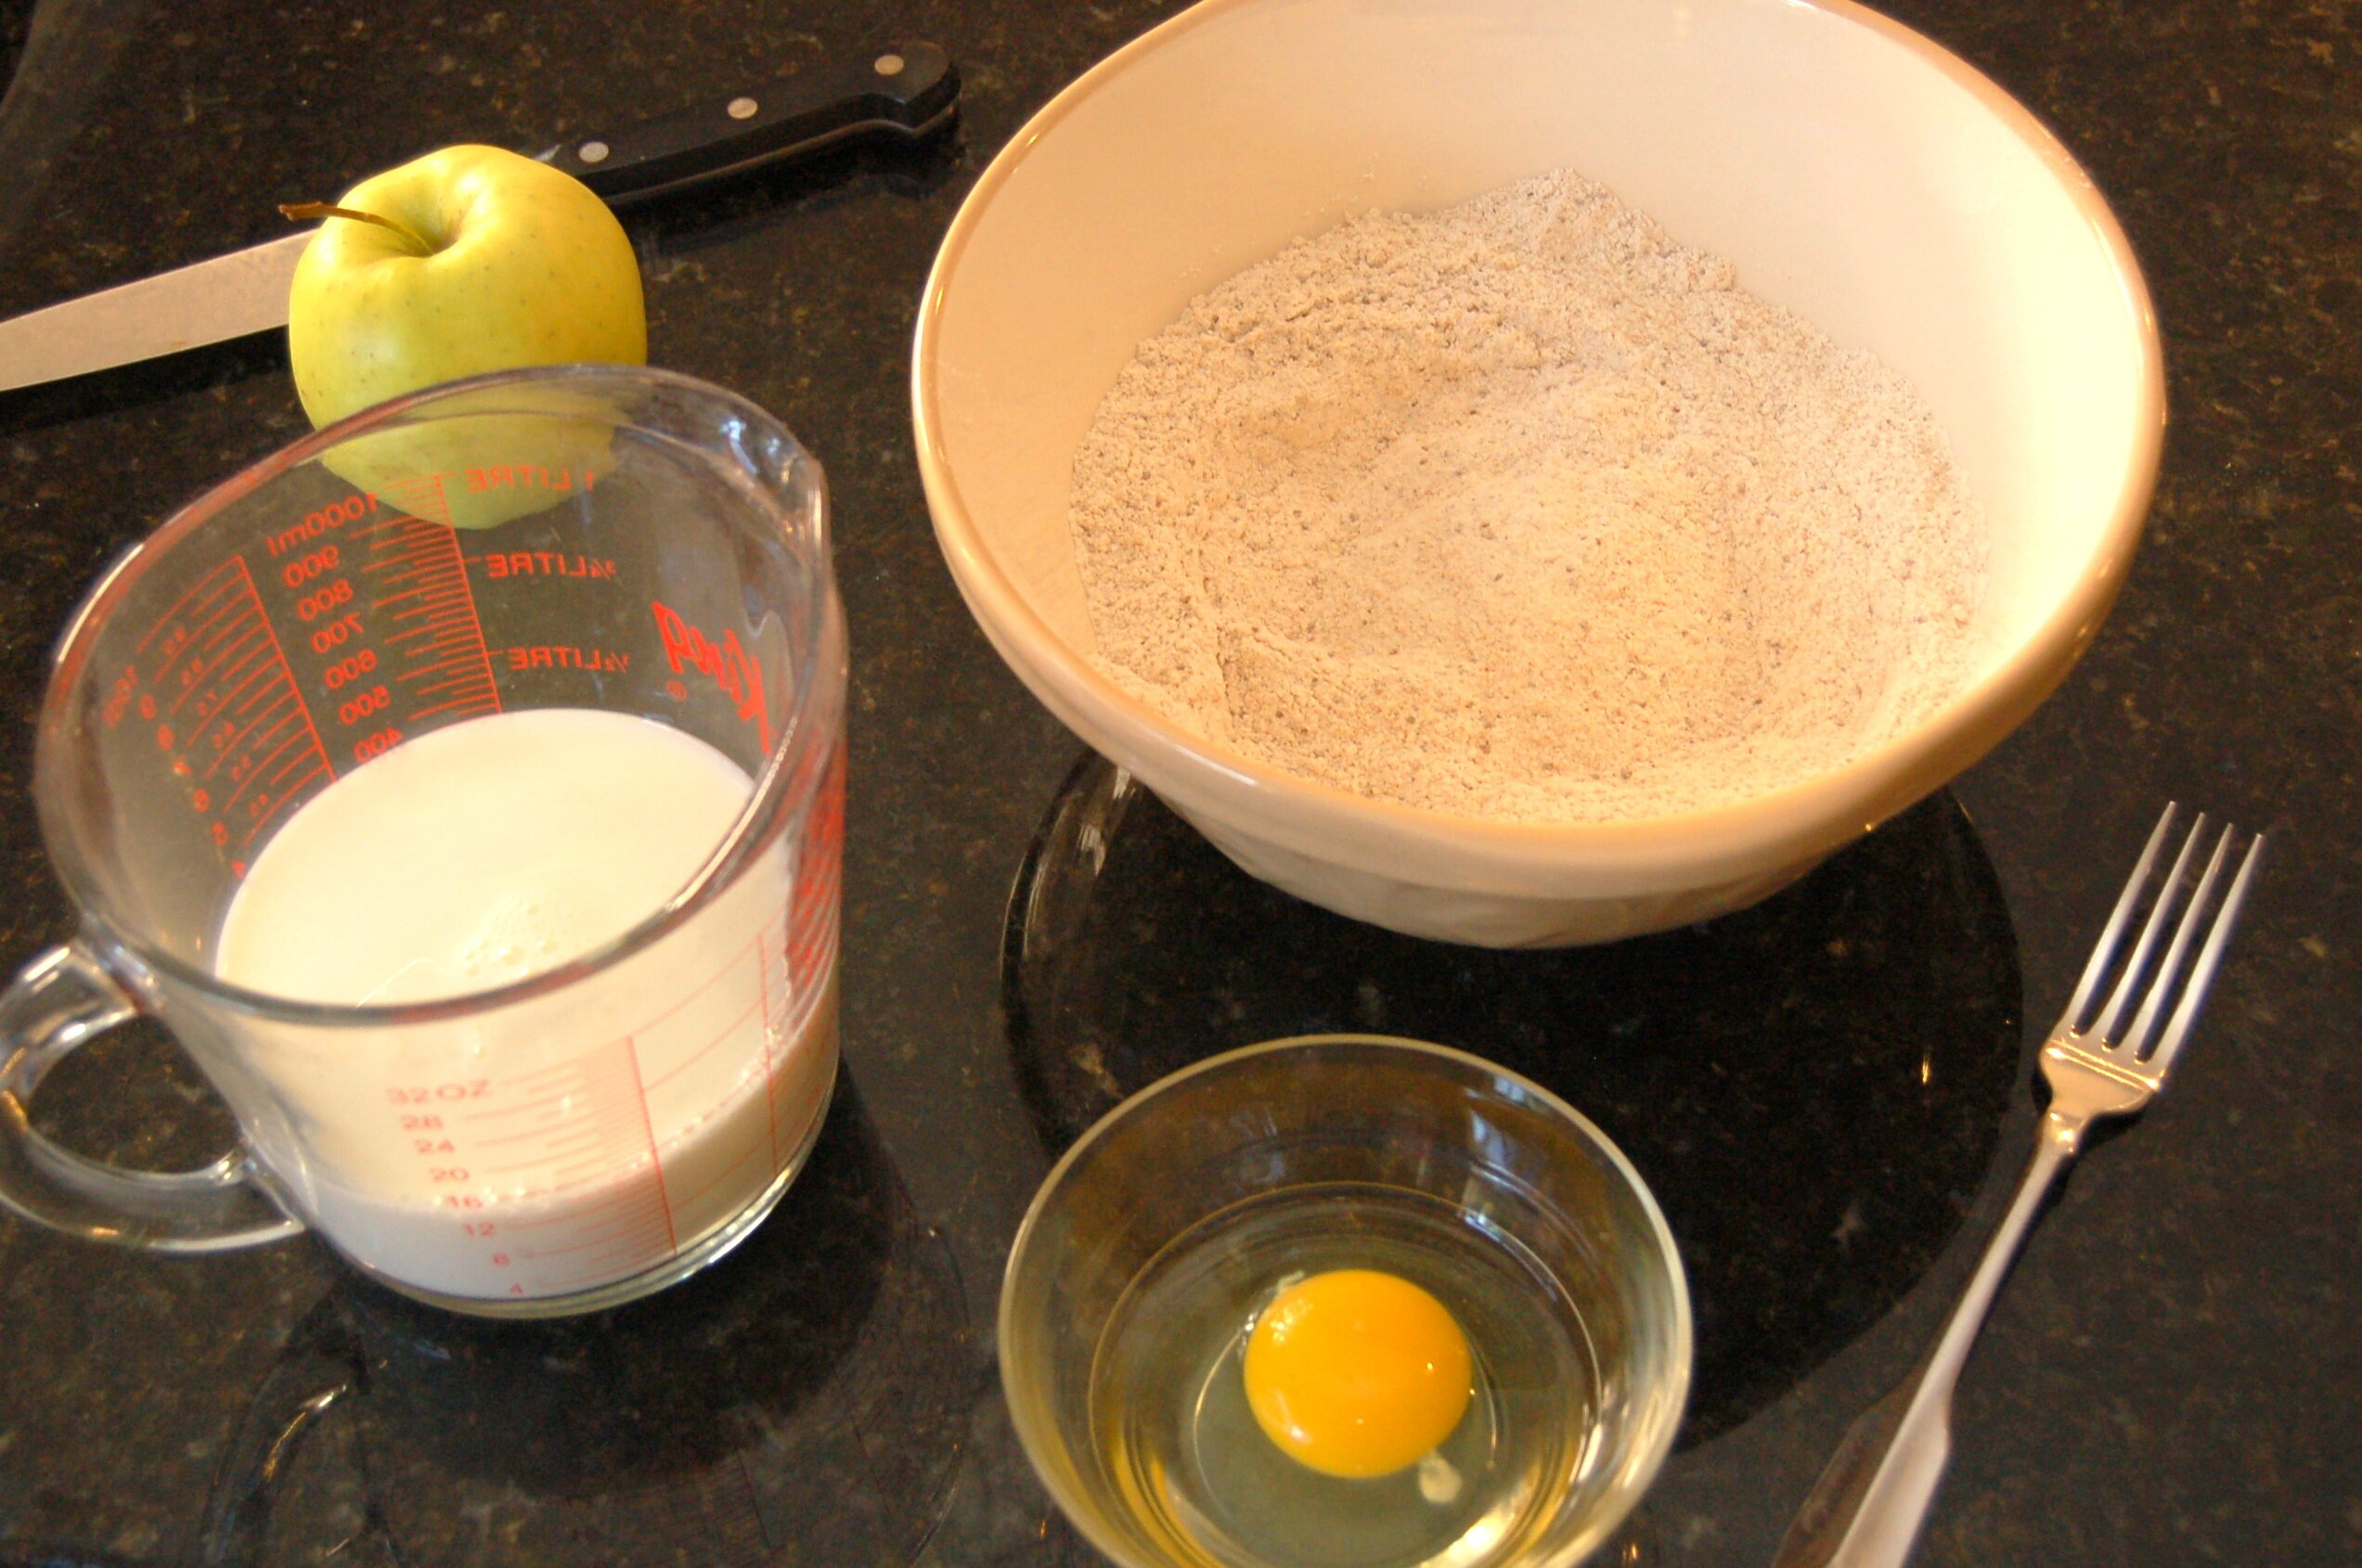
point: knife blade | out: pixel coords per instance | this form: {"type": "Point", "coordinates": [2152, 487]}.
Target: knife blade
{"type": "Point", "coordinates": [905, 92]}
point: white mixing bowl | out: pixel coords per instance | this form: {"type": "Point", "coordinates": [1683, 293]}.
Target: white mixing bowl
{"type": "Point", "coordinates": [1857, 175]}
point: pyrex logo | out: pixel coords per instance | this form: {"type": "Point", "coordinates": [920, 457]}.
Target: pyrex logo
{"type": "Point", "coordinates": [725, 665]}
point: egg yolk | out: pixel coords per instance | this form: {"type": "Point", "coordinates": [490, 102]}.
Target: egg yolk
{"type": "Point", "coordinates": [1357, 1373]}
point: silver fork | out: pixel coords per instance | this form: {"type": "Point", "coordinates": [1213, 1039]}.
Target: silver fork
{"type": "Point", "coordinates": [1865, 1509]}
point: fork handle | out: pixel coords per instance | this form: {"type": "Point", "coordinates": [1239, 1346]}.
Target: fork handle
{"type": "Point", "coordinates": [1866, 1508]}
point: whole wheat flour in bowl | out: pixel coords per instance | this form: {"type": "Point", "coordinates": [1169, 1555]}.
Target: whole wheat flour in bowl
{"type": "Point", "coordinates": [1520, 510]}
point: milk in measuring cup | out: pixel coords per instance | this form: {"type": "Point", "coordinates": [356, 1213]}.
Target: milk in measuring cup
{"type": "Point", "coordinates": [571, 1139]}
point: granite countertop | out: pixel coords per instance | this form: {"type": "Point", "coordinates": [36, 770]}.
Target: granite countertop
{"type": "Point", "coordinates": [2168, 1378]}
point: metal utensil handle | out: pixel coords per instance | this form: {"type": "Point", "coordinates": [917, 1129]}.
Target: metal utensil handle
{"type": "Point", "coordinates": [1868, 1507]}
{"type": "Point", "coordinates": [56, 1002]}
{"type": "Point", "coordinates": [902, 92]}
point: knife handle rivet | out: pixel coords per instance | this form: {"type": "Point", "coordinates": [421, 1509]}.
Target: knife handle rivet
{"type": "Point", "coordinates": [889, 65]}
{"type": "Point", "coordinates": [592, 152]}
{"type": "Point", "coordinates": [742, 109]}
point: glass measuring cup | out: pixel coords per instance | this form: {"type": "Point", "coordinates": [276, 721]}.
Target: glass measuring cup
{"type": "Point", "coordinates": [628, 543]}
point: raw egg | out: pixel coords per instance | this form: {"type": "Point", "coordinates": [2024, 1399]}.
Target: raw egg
{"type": "Point", "coordinates": [1357, 1373]}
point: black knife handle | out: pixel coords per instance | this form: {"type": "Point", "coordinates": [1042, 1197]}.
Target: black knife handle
{"type": "Point", "coordinates": [902, 90]}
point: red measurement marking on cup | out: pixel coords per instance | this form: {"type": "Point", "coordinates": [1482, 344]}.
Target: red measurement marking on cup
{"type": "Point", "coordinates": [564, 1184]}
{"type": "Point", "coordinates": [726, 1175]}
{"type": "Point", "coordinates": [241, 655]}
{"type": "Point", "coordinates": [580, 1124]}
{"type": "Point", "coordinates": [421, 496]}
{"type": "Point", "coordinates": [819, 867]}
{"type": "Point", "coordinates": [234, 715]}
{"type": "Point", "coordinates": [420, 587]}
{"type": "Point", "coordinates": [648, 1131]}
{"type": "Point", "coordinates": [718, 1037]}
{"type": "Point", "coordinates": [728, 1030]}
{"type": "Point", "coordinates": [772, 940]}
{"type": "Point", "coordinates": [170, 631]}
{"type": "Point", "coordinates": [548, 656]}
{"type": "Point", "coordinates": [496, 564]}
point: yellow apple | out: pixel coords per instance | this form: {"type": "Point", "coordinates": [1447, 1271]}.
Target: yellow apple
{"type": "Point", "coordinates": [477, 260]}
{"type": "Point", "coordinates": [484, 261]}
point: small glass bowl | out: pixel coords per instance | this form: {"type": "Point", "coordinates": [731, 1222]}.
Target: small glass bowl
{"type": "Point", "coordinates": [1506, 1162]}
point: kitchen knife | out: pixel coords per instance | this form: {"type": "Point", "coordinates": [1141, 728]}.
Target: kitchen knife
{"type": "Point", "coordinates": [905, 92]}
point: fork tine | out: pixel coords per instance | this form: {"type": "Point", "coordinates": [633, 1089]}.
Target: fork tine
{"type": "Point", "coordinates": [2103, 1028]}
{"type": "Point", "coordinates": [2105, 948]}
{"type": "Point", "coordinates": [2144, 1025]}
{"type": "Point", "coordinates": [2194, 996]}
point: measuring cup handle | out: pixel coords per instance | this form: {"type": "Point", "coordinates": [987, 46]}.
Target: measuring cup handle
{"type": "Point", "coordinates": [60, 999]}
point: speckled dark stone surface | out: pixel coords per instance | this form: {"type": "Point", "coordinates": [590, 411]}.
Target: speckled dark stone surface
{"type": "Point", "coordinates": [2170, 1377]}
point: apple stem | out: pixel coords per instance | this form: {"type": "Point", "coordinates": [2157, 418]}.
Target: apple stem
{"type": "Point", "coordinates": [304, 211]}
